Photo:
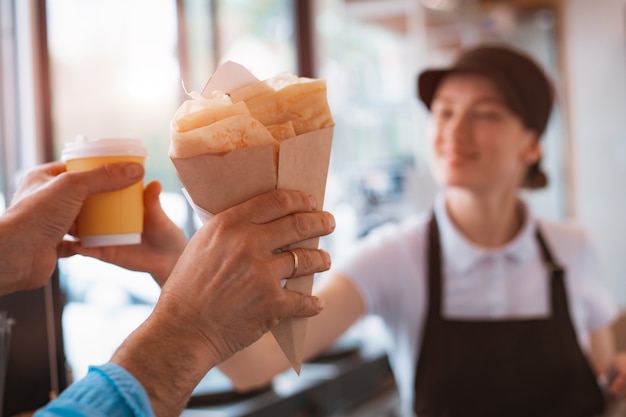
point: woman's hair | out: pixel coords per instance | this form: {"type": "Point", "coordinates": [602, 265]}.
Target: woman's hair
{"type": "Point", "coordinates": [535, 178]}
{"type": "Point", "coordinates": [526, 88]}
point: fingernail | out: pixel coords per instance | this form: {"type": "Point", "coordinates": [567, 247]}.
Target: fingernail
{"type": "Point", "coordinates": [133, 171]}
{"type": "Point", "coordinates": [313, 202]}
{"type": "Point", "coordinates": [320, 304]}
{"type": "Point", "coordinates": [325, 256]}
{"type": "Point", "coordinates": [331, 220]}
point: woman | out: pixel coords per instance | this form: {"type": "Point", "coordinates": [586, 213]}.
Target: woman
{"type": "Point", "coordinates": [491, 312]}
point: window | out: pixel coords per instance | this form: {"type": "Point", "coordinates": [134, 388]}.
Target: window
{"type": "Point", "coordinates": [365, 51]}
{"type": "Point", "coordinates": [15, 85]}
{"type": "Point", "coordinates": [113, 73]}
{"type": "Point", "coordinates": [260, 35]}
{"type": "Point", "coordinates": [117, 69]}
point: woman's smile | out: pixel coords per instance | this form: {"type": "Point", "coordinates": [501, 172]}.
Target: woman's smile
{"type": "Point", "coordinates": [458, 157]}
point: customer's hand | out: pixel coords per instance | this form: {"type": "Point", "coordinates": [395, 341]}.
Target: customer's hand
{"type": "Point", "coordinates": [43, 211]}
{"type": "Point", "coordinates": [225, 292]}
{"type": "Point", "coordinates": [162, 242]}
{"type": "Point", "coordinates": [240, 252]}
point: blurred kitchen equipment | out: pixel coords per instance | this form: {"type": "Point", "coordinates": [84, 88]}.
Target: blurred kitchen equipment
{"type": "Point", "coordinates": [5, 344]}
{"type": "Point", "coordinates": [36, 361]}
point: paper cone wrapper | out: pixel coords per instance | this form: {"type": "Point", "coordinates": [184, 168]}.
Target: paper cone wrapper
{"type": "Point", "coordinates": [216, 182]}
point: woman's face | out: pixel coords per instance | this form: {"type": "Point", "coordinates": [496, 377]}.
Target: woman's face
{"type": "Point", "coordinates": [476, 141]}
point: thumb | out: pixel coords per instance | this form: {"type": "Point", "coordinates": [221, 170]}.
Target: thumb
{"type": "Point", "coordinates": [108, 177]}
{"type": "Point", "coordinates": [151, 198]}
{"type": "Point", "coordinates": [302, 305]}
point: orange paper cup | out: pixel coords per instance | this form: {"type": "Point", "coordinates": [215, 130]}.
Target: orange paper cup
{"type": "Point", "coordinates": [111, 218]}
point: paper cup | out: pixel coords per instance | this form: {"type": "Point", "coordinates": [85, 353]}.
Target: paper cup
{"type": "Point", "coordinates": [111, 218]}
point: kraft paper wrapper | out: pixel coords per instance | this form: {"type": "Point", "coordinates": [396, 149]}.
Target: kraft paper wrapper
{"type": "Point", "coordinates": [216, 182]}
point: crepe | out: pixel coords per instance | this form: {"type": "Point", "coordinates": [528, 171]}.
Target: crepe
{"type": "Point", "coordinates": [213, 125]}
{"type": "Point", "coordinates": [242, 137]}
{"type": "Point", "coordinates": [282, 131]}
{"type": "Point", "coordinates": [262, 112]}
{"type": "Point", "coordinates": [301, 101]}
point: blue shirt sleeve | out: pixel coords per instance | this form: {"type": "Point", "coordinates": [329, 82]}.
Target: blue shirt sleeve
{"type": "Point", "coordinates": [106, 391]}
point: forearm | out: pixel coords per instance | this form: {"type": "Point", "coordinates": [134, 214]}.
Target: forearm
{"type": "Point", "coordinates": [256, 365]}
{"type": "Point", "coordinates": [168, 358]}
{"type": "Point", "coordinates": [16, 260]}
{"type": "Point", "coordinates": [602, 345]}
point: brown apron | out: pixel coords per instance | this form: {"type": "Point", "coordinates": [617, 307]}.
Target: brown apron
{"type": "Point", "coordinates": [502, 368]}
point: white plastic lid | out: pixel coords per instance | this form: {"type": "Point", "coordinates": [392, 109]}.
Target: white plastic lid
{"type": "Point", "coordinates": [82, 148]}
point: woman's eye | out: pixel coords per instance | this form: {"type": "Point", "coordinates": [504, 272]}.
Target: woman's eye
{"type": "Point", "coordinates": [442, 113]}
{"type": "Point", "coordinates": [486, 115]}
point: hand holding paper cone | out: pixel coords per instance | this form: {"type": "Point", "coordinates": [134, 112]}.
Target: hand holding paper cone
{"type": "Point", "coordinates": [242, 137]}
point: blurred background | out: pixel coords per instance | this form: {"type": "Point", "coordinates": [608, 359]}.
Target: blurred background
{"type": "Point", "coordinates": [119, 68]}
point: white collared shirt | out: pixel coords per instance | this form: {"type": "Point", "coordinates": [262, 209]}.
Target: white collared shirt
{"type": "Point", "coordinates": [389, 268]}
{"type": "Point", "coordinates": [505, 282]}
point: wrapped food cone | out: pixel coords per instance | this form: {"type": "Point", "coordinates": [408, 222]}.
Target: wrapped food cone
{"type": "Point", "coordinates": [241, 137]}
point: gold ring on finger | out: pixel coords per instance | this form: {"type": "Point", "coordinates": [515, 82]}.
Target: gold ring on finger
{"type": "Point", "coordinates": [295, 262]}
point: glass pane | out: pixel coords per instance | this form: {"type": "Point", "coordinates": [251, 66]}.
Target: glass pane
{"type": "Point", "coordinates": [363, 50]}
{"type": "Point", "coordinates": [200, 43]}
{"type": "Point", "coordinates": [260, 35]}
{"type": "Point", "coordinates": [114, 73]}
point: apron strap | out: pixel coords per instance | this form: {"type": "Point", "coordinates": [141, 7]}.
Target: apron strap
{"type": "Point", "coordinates": [548, 259]}
{"type": "Point", "coordinates": [433, 283]}
{"type": "Point", "coordinates": [559, 299]}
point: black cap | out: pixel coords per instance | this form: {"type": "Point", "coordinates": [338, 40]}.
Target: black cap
{"type": "Point", "coordinates": [526, 88]}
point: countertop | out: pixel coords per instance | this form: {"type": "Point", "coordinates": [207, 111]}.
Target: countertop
{"type": "Point", "coordinates": [335, 385]}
